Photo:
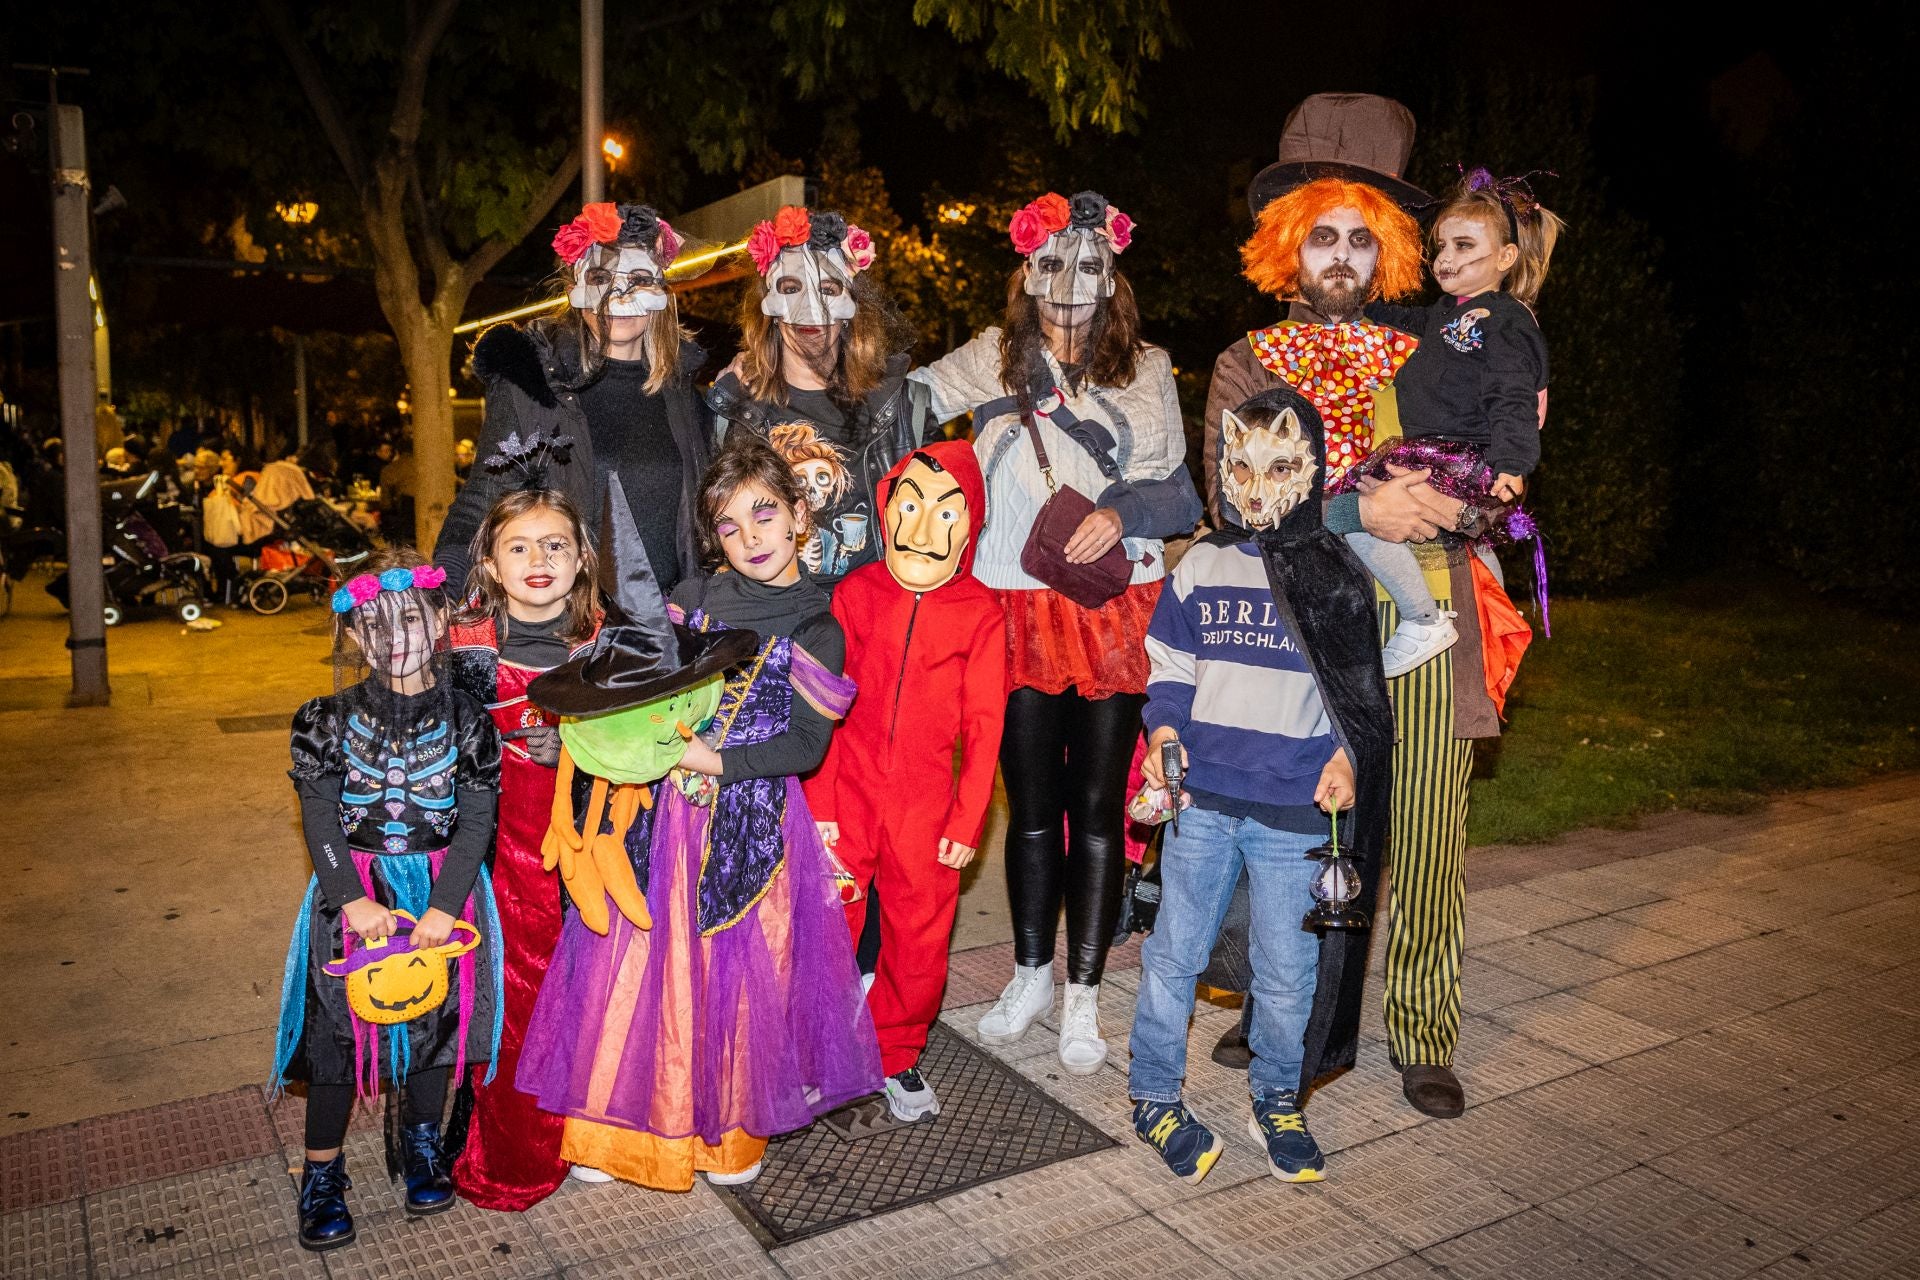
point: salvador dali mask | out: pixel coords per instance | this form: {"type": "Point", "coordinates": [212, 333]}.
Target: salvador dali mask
{"type": "Point", "coordinates": [1267, 468]}
{"type": "Point", "coordinates": [629, 278]}
{"type": "Point", "coordinates": [927, 525]}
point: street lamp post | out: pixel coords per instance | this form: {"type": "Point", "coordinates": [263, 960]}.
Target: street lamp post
{"type": "Point", "coordinates": [79, 400]}
{"type": "Point", "coordinates": [593, 166]}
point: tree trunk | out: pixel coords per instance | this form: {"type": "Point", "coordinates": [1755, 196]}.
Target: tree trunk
{"type": "Point", "coordinates": [428, 355]}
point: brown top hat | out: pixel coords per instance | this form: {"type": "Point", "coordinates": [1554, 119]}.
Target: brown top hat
{"type": "Point", "coordinates": [1357, 137]}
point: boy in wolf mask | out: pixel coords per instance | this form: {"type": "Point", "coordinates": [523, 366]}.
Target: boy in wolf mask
{"type": "Point", "coordinates": [1267, 677]}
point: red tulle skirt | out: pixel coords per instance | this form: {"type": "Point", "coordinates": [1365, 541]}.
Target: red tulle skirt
{"type": "Point", "coordinates": [1054, 644]}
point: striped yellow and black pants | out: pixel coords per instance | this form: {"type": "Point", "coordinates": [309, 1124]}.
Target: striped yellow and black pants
{"type": "Point", "coordinates": [1426, 930]}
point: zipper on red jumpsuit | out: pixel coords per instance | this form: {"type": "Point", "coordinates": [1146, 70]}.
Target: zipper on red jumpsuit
{"type": "Point", "coordinates": [899, 684]}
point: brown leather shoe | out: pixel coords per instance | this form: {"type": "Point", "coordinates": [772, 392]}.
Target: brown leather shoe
{"type": "Point", "coordinates": [1433, 1091]}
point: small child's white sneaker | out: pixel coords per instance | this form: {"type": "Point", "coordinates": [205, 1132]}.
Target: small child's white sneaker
{"type": "Point", "coordinates": [1414, 643]}
{"type": "Point", "coordinates": [587, 1173]}
{"type": "Point", "coordinates": [739, 1179]}
{"type": "Point", "coordinates": [1029, 995]}
{"type": "Point", "coordinates": [1082, 1051]}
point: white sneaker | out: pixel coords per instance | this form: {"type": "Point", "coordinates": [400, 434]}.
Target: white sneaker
{"type": "Point", "coordinates": [1029, 995]}
{"type": "Point", "coordinates": [1413, 644]}
{"type": "Point", "coordinates": [739, 1179]}
{"type": "Point", "coordinates": [1082, 1051]}
{"type": "Point", "coordinates": [587, 1173]}
{"type": "Point", "coordinates": [910, 1097]}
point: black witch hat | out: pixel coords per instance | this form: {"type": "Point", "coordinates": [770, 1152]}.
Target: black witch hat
{"type": "Point", "coordinates": [640, 654]}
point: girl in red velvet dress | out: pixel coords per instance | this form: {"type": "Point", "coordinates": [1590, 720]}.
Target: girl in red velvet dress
{"type": "Point", "coordinates": [532, 600]}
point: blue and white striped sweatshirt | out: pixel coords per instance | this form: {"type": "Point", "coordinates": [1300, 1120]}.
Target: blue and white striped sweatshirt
{"type": "Point", "coordinates": [1232, 681]}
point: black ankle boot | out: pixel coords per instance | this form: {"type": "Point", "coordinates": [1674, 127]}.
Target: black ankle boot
{"type": "Point", "coordinates": [1233, 1050]}
{"type": "Point", "coordinates": [429, 1189]}
{"type": "Point", "coordinates": [324, 1220]}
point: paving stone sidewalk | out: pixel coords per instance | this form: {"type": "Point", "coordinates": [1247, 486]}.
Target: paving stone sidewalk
{"type": "Point", "coordinates": [1691, 1050]}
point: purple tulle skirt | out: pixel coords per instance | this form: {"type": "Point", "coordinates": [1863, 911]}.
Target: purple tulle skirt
{"type": "Point", "coordinates": [760, 1026]}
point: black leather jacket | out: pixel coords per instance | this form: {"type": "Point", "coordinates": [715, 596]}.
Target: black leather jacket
{"type": "Point", "coordinates": [525, 372]}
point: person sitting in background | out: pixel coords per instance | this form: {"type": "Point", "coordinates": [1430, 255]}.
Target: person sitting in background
{"type": "Point", "coordinates": [396, 492]}
{"type": "Point", "coordinates": [464, 452]}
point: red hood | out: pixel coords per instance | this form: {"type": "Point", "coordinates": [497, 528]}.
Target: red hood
{"type": "Point", "coordinates": [956, 459]}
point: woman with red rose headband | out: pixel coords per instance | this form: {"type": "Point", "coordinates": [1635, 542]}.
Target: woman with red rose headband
{"type": "Point", "coordinates": [1070, 364]}
{"type": "Point", "coordinates": [821, 344]}
{"type": "Point", "coordinates": [613, 372]}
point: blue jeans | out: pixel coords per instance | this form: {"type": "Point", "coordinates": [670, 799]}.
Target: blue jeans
{"type": "Point", "coordinates": [1198, 871]}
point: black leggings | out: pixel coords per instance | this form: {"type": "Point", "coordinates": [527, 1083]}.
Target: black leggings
{"type": "Point", "coordinates": [1064, 760]}
{"type": "Point", "coordinates": [330, 1106]}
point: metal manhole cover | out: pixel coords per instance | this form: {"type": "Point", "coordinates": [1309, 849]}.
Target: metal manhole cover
{"type": "Point", "coordinates": [993, 1123]}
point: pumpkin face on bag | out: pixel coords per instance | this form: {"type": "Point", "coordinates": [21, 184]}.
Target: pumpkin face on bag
{"type": "Point", "coordinates": [390, 982]}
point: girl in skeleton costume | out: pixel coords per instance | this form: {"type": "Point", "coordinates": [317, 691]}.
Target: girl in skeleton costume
{"type": "Point", "coordinates": [822, 345]}
{"type": "Point", "coordinates": [532, 599]}
{"type": "Point", "coordinates": [397, 777]}
{"type": "Point", "coordinates": [614, 373]}
{"type": "Point", "coordinates": [1071, 361]}
{"type": "Point", "coordinates": [718, 1005]}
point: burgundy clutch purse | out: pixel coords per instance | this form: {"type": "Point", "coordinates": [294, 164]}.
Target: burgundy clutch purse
{"type": "Point", "coordinates": [1044, 556]}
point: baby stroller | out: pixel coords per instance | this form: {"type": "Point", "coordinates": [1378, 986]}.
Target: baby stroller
{"type": "Point", "coordinates": [139, 568]}
{"type": "Point", "coordinates": [317, 548]}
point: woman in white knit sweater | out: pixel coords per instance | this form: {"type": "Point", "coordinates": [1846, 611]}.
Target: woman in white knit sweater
{"type": "Point", "coordinates": [1103, 402]}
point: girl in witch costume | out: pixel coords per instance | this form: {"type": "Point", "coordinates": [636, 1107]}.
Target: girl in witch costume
{"type": "Point", "coordinates": [397, 776]}
{"type": "Point", "coordinates": [717, 1003]}
{"type": "Point", "coordinates": [531, 601]}
{"type": "Point", "coordinates": [613, 373]}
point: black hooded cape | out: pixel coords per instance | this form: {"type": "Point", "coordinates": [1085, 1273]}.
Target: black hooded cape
{"type": "Point", "coordinates": [1326, 598]}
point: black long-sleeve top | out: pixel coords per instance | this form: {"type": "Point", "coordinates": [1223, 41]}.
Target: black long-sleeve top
{"type": "Point", "coordinates": [799, 611]}
{"type": "Point", "coordinates": [346, 771]}
{"type": "Point", "coordinates": [1478, 375]}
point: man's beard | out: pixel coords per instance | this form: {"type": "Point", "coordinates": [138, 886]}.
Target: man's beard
{"type": "Point", "coordinates": [1336, 294]}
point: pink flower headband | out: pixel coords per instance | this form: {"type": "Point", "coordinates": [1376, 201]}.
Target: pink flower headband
{"type": "Point", "coordinates": [1052, 213]}
{"type": "Point", "coordinates": [794, 226]}
{"type": "Point", "coordinates": [362, 589]}
{"type": "Point", "coordinates": [635, 226]}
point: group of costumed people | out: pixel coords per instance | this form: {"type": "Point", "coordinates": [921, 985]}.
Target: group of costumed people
{"type": "Point", "coordinates": [638, 815]}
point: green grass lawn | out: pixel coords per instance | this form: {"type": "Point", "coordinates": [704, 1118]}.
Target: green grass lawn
{"type": "Point", "coordinates": [1703, 695]}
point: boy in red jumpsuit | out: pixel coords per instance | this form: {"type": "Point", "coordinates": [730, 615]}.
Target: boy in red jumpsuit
{"type": "Point", "coordinates": [927, 644]}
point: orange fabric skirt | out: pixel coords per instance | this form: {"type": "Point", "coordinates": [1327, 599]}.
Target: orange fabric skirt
{"type": "Point", "coordinates": [665, 1164]}
{"type": "Point", "coordinates": [1053, 644]}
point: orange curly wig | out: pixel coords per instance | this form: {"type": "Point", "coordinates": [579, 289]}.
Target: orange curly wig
{"type": "Point", "coordinates": [1272, 255]}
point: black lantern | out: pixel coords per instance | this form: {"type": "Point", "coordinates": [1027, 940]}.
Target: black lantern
{"type": "Point", "coordinates": [1335, 887]}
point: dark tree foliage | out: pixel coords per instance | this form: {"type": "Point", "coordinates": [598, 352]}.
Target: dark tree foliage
{"type": "Point", "coordinates": [1604, 485]}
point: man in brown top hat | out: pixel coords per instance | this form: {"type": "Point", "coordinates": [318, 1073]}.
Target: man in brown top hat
{"type": "Point", "coordinates": [1333, 233]}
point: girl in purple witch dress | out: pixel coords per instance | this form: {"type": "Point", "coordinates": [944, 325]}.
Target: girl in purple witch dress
{"type": "Point", "coordinates": [738, 1014]}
